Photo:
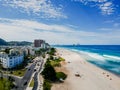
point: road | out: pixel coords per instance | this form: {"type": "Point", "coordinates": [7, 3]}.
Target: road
{"type": "Point", "coordinates": [35, 81]}
{"type": "Point", "coordinates": [26, 78]}
{"type": "Point", "coordinates": [36, 67]}
{"type": "Point", "coordinates": [37, 75]}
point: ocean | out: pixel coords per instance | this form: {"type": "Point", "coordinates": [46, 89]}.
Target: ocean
{"type": "Point", "coordinates": [104, 56]}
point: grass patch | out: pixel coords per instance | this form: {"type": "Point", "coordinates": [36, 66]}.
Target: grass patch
{"type": "Point", "coordinates": [60, 75]}
{"type": "Point", "coordinates": [56, 62]}
{"type": "Point", "coordinates": [19, 73]}
{"type": "Point", "coordinates": [5, 84]}
{"type": "Point", "coordinates": [47, 85]}
{"type": "Point", "coordinates": [32, 83]}
{"type": "Point", "coordinates": [61, 59]}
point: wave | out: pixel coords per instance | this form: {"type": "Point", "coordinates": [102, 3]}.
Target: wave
{"type": "Point", "coordinates": [75, 50]}
{"type": "Point", "coordinates": [94, 56]}
{"type": "Point", "coordinates": [115, 70]}
{"type": "Point", "coordinates": [112, 57]}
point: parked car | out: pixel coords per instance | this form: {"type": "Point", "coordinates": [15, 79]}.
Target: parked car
{"type": "Point", "coordinates": [25, 83]}
{"type": "Point", "coordinates": [34, 69]}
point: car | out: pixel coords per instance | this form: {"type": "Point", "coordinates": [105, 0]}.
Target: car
{"type": "Point", "coordinates": [25, 83]}
{"type": "Point", "coordinates": [34, 69]}
{"type": "Point", "coordinates": [16, 86]}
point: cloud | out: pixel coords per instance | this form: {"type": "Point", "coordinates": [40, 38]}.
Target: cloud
{"type": "Point", "coordinates": [35, 25]}
{"type": "Point", "coordinates": [41, 8]}
{"type": "Point", "coordinates": [106, 6]}
{"type": "Point", "coordinates": [53, 33]}
{"type": "Point", "coordinates": [116, 24]}
{"type": "Point", "coordinates": [109, 21]}
{"type": "Point", "coordinates": [106, 29]}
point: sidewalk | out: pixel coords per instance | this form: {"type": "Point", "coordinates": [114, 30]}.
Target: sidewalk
{"type": "Point", "coordinates": [40, 78]}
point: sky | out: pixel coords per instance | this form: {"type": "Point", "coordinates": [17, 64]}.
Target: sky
{"type": "Point", "coordinates": [61, 21]}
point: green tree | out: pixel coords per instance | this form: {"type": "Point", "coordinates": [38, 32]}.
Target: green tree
{"type": "Point", "coordinates": [51, 57]}
{"type": "Point", "coordinates": [7, 50]}
{"type": "Point", "coordinates": [46, 85]}
{"type": "Point", "coordinates": [52, 51]}
{"type": "Point", "coordinates": [49, 72]}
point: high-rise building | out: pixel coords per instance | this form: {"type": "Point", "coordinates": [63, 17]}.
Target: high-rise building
{"type": "Point", "coordinates": [39, 43]}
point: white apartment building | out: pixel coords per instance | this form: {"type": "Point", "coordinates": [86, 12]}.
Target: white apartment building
{"type": "Point", "coordinates": [11, 60]}
{"type": "Point", "coordinates": [27, 50]}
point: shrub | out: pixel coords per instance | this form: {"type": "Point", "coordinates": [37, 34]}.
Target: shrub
{"type": "Point", "coordinates": [61, 59]}
{"type": "Point", "coordinates": [46, 85]}
{"type": "Point", "coordinates": [19, 73]}
{"type": "Point", "coordinates": [43, 55]}
{"type": "Point", "coordinates": [61, 75]}
{"type": "Point", "coordinates": [11, 72]}
{"type": "Point", "coordinates": [51, 57]}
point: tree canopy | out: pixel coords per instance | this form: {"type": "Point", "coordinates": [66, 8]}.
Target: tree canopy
{"type": "Point", "coordinates": [49, 72]}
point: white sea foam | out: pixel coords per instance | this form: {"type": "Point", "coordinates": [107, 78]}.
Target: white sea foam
{"type": "Point", "coordinates": [75, 50]}
{"type": "Point", "coordinates": [112, 57]}
{"type": "Point", "coordinates": [94, 56]}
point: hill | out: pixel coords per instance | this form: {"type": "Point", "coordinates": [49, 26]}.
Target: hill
{"type": "Point", "coordinates": [19, 43]}
{"type": "Point", "coordinates": [14, 43]}
{"type": "Point", "coordinates": [3, 42]}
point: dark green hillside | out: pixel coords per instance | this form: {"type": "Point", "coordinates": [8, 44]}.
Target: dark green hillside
{"type": "Point", "coordinates": [19, 43]}
{"type": "Point", "coordinates": [3, 42]}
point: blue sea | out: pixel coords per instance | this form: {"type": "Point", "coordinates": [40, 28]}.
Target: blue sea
{"type": "Point", "coordinates": [104, 56]}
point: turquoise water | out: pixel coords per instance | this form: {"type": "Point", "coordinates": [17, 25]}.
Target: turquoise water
{"type": "Point", "coordinates": [103, 56]}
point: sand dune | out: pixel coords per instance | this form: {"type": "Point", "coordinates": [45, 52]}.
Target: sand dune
{"type": "Point", "coordinates": [91, 77]}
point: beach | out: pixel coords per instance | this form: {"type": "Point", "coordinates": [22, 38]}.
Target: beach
{"type": "Point", "coordinates": [91, 77]}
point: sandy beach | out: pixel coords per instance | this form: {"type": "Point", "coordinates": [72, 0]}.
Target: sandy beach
{"type": "Point", "coordinates": [91, 77]}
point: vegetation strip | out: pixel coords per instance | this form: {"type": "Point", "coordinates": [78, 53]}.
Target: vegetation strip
{"type": "Point", "coordinates": [49, 73]}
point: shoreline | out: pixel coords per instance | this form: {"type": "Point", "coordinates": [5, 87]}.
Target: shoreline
{"type": "Point", "coordinates": [118, 75]}
{"type": "Point", "coordinates": [104, 69]}
{"type": "Point", "coordinates": [91, 76]}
